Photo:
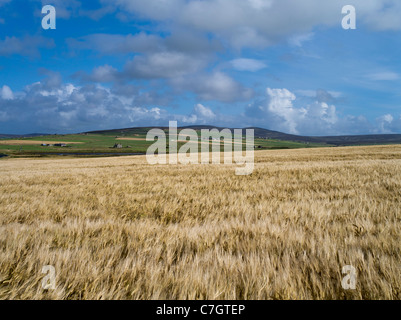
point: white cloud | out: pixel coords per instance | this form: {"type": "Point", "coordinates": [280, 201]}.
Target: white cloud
{"type": "Point", "coordinates": [53, 105]}
{"type": "Point", "coordinates": [298, 40]}
{"type": "Point", "coordinates": [69, 108]}
{"type": "Point", "coordinates": [28, 45]}
{"type": "Point", "coordinates": [282, 111]}
{"type": "Point", "coordinates": [65, 8]}
{"type": "Point", "coordinates": [6, 93]}
{"type": "Point", "coordinates": [388, 118]}
{"type": "Point", "coordinates": [204, 112]}
{"type": "Point", "coordinates": [256, 23]}
{"type": "Point", "coordinates": [164, 65]}
{"type": "Point", "coordinates": [321, 95]}
{"type": "Point", "coordinates": [215, 86]}
{"type": "Point", "coordinates": [136, 114]}
{"type": "Point", "coordinates": [385, 123]}
{"type": "Point", "coordinates": [323, 112]}
{"type": "Point", "coordinates": [280, 104]}
{"type": "Point", "coordinates": [104, 73]}
{"type": "Point", "coordinates": [112, 44]}
{"type": "Point", "coordinates": [248, 65]}
{"type": "Point", "coordinates": [384, 15]}
{"type": "Point", "coordinates": [260, 4]}
{"type": "Point", "coordinates": [199, 115]}
{"type": "Point", "coordinates": [96, 14]}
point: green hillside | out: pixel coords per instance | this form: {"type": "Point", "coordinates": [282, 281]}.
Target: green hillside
{"type": "Point", "coordinates": [133, 141]}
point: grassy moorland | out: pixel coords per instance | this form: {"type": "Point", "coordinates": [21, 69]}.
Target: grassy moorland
{"type": "Point", "coordinates": [118, 228]}
{"type": "Point", "coordinates": [96, 144]}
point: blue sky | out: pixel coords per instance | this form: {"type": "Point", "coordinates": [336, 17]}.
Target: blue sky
{"type": "Point", "coordinates": [285, 65]}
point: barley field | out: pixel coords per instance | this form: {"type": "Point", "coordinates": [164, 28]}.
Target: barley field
{"type": "Point", "coordinates": [118, 228]}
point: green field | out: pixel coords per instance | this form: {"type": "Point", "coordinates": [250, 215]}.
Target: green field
{"type": "Point", "coordinates": [101, 144]}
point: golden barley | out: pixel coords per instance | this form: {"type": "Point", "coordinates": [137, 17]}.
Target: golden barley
{"type": "Point", "coordinates": [118, 228]}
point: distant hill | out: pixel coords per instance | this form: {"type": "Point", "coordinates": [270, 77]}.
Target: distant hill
{"type": "Point", "coordinates": [16, 136]}
{"type": "Point", "coordinates": [136, 130]}
{"type": "Point", "coordinates": [348, 140]}
{"type": "Point", "coordinates": [7, 136]}
{"type": "Point", "coordinates": [362, 139]}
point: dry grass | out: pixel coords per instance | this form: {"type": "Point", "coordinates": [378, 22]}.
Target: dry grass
{"type": "Point", "coordinates": [118, 228]}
